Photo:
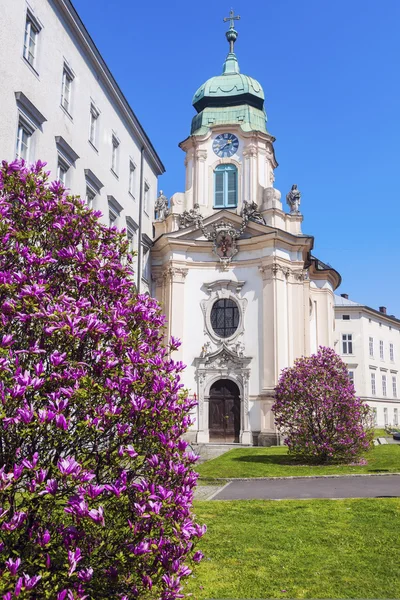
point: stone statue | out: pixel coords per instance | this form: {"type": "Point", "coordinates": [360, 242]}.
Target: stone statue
{"type": "Point", "coordinates": [161, 209]}
{"type": "Point", "coordinates": [293, 200]}
{"type": "Point", "coordinates": [239, 348]}
{"type": "Point", "coordinates": [206, 349]}
{"type": "Point", "coordinates": [250, 212]}
{"type": "Point", "coordinates": [190, 217]}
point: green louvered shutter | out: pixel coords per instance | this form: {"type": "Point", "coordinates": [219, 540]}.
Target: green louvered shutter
{"type": "Point", "coordinates": [219, 189]}
{"type": "Point", "coordinates": [231, 187]}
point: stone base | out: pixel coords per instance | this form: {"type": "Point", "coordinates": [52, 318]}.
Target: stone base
{"type": "Point", "coordinates": [246, 437]}
{"type": "Point", "coordinates": [268, 438]}
{"type": "Point", "coordinates": [202, 437]}
{"type": "Point", "coordinates": [190, 436]}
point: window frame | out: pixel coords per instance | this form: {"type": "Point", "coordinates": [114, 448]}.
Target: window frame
{"type": "Point", "coordinates": [67, 75]}
{"type": "Point", "coordinates": [385, 416]}
{"type": "Point", "coordinates": [235, 317]}
{"type": "Point", "coordinates": [381, 350]}
{"type": "Point", "coordinates": [384, 385]}
{"type": "Point", "coordinates": [132, 178]}
{"type": "Point", "coordinates": [31, 24]}
{"type": "Point", "coordinates": [391, 352]}
{"type": "Point", "coordinates": [371, 346]}
{"type": "Point", "coordinates": [24, 126]}
{"type": "Point", "coordinates": [146, 197]}
{"type": "Point", "coordinates": [62, 166]}
{"type": "Point", "coordinates": [90, 196]}
{"type": "Point", "coordinates": [225, 169]}
{"type": "Point", "coordinates": [347, 343]}
{"type": "Point", "coordinates": [396, 417]}
{"type": "Point", "coordinates": [373, 384]}
{"type": "Point", "coordinates": [94, 114]}
{"type": "Point", "coordinates": [394, 386]}
{"type": "Point", "coordinates": [115, 144]}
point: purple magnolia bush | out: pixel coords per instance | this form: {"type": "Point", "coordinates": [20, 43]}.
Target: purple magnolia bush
{"type": "Point", "coordinates": [95, 483]}
{"type": "Point", "coordinates": [317, 411]}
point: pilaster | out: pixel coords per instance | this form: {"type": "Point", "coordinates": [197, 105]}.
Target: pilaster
{"type": "Point", "coordinates": [174, 302]}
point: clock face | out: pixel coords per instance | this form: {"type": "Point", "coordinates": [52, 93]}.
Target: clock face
{"type": "Point", "coordinates": [225, 144]}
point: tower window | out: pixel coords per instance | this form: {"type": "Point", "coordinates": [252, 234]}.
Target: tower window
{"type": "Point", "coordinates": [225, 186]}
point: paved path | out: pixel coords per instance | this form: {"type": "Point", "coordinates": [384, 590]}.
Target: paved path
{"type": "Point", "coordinates": [306, 487]}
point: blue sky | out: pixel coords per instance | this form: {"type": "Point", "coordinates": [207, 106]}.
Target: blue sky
{"type": "Point", "coordinates": [331, 77]}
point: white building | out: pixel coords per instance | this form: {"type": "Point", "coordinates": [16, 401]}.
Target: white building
{"type": "Point", "coordinates": [60, 103]}
{"type": "Point", "coordinates": [369, 343]}
{"type": "Point", "coordinates": [233, 271]}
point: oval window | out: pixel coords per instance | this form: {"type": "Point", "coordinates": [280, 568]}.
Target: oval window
{"type": "Point", "coordinates": [225, 317]}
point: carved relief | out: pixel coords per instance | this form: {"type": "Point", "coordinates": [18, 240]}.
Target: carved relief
{"type": "Point", "coordinates": [175, 274]}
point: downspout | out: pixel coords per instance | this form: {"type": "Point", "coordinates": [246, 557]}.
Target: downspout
{"type": "Point", "coordinates": [140, 246]}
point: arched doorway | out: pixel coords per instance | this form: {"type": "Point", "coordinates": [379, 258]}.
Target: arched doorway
{"type": "Point", "coordinates": [224, 412]}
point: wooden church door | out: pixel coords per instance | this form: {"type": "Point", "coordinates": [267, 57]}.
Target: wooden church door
{"type": "Point", "coordinates": [224, 412]}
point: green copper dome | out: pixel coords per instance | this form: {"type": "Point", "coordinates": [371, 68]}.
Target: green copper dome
{"type": "Point", "coordinates": [230, 98]}
{"type": "Point", "coordinates": [229, 89]}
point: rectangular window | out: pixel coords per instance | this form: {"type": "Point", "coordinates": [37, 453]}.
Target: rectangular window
{"type": "Point", "coordinates": [23, 141]}
{"type": "Point", "coordinates": [94, 115]}
{"type": "Point", "coordinates": [394, 386]}
{"type": "Point", "coordinates": [114, 157]}
{"type": "Point", "coordinates": [146, 263]}
{"type": "Point", "coordinates": [132, 178]}
{"type": "Point", "coordinates": [384, 390]}
{"type": "Point", "coordinates": [391, 352]}
{"type": "Point", "coordinates": [146, 198]}
{"type": "Point", "coordinates": [62, 170]}
{"type": "Point", "coordinates": [385, 416]}
{"type": "Point", "coordinates": [347, 343]}
{"type": "Point", "coordinates": [375, 416]}
{"type": "Point", "coordinates": [225, 186]}
{"type": "Point", "coordinates": [66, 90]}
{"type": "Point", "coordinates": [381, 352]}
{"type": "Point", "coordinates": [373, 384]}
{"type": "Point", "coordinates": [351, 377]}
{"type": "Point", "coordinates": [30, 40]}
{"type": "Point", "coordinates": [346, 317]}
{"type": "Point", "coordinates": [371, 346]}
{"type": "Point", "coordinates": [395, 417]}
{"type": "Point", "coordinates": [131, 235]}
{"type": "Point", "coordinates": [90, 197]}
{"type": "Point", "coordinates": [112, 218]}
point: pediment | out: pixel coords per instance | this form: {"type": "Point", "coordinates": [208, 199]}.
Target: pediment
{"type": "Point", "coordinates": [194, 233]}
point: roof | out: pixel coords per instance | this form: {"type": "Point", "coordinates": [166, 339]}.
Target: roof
{"type": "Point", "coordinates": [229, 98]}
{"type": "Point", "coordinates": [340, 301]}
{"type": "Point", "coordinates": [109, 82]}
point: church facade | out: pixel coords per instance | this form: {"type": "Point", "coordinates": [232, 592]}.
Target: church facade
{"type": "Point", "coordinates": [234, 273]}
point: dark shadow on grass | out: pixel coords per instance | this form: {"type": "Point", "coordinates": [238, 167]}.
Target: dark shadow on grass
{"type": "Point", "coordinates": [270, 460]}
{"type": "Point", "coordinates": [379, 471]}
{"type": "Point", "coordinates": [387, 496]}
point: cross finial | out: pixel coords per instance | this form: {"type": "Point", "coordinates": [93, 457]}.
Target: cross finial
{"type": "Point", "coordinates": [232, 17]}
{"type": "Point", "coordinates": [231, 34]}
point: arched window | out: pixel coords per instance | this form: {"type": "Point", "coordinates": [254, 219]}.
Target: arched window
{"type": "Point", "coordinates": [225, 317]}
{"type": "Point", "coordinates": [225, 186]}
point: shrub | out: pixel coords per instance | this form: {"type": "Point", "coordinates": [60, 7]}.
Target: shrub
{"type": "Point", "coordinates": [96, 485]}
{"type": "Point", "coordinates": [317, 410]}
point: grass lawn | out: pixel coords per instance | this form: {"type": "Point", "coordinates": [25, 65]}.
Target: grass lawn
{"type": "Point", "coordinates": [299, 549]}
{"type": "Point", "coordinates": [275, 462]}
{"type": "Point", "coordinates": [379, 432]}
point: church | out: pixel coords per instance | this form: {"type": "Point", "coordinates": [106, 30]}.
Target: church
{"type": "Point", "coordinates": [236, 277]}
